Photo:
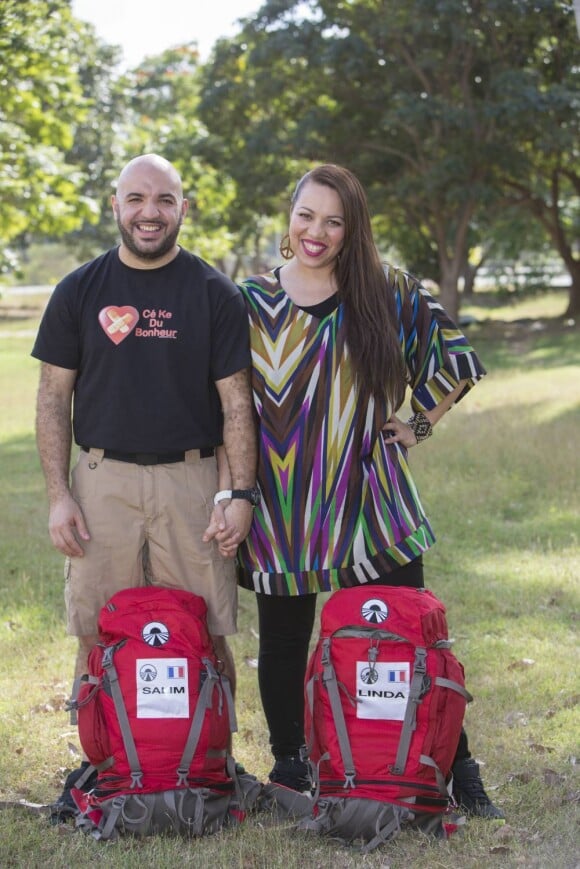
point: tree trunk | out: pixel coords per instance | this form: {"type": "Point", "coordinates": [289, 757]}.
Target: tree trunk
{"type": "Point", "coordinates": [573, 309]}
{"type": "Point", "coordinates": [452, 258]}
{"type": "Point", "coordinates": [449, 291]}
{"type": "Point", "coordinates": [469, 273]}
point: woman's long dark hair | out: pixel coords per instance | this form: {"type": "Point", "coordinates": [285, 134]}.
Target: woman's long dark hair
{"type": "Point", "coordinates": [369, 305]}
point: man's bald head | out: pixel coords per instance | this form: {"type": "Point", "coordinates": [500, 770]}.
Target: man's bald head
{"type": "Point", "coordinates": [149, 207]}
{"type": "Point", "coordinates": [150, 162]}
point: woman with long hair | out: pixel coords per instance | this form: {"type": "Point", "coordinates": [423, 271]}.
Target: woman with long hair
{"type": "Point", "coordinates": [337, 339]}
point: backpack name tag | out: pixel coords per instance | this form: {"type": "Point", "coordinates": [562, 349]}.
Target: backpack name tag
{"type": "Point", "coordinates": [382, 689]}
{"type": "Point", "coordinates": [162, 688]}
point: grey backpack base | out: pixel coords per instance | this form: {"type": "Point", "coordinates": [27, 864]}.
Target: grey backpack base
{"type": "Point", "coordinates": [189, 812]}
{"type": "Point", "coordinates": [369, 822]}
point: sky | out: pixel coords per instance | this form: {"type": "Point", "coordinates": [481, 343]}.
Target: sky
{"type": "Point", "coordinates": [148, 27]}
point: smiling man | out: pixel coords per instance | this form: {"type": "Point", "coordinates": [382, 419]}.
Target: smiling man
{"type": "Point", "coordinates": [147, 345]}
{"type": "Point", "coordinates": [149, 208]}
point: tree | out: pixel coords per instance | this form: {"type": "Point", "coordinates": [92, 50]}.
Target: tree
{"type": "Point", "coordinates": [161, 116]}
{"type": "Point", "coordinates": [40, 103]}
{"type": "Point", "coordinates": [543, 175]}
{"type": "Point", "coordinates": [408, 95]}
{"type": "Point", "coordinates": [97, 140]}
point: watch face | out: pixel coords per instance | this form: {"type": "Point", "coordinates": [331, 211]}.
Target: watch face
{"type": "Point", "coordinates": [251, 495]}
{"type": "Point", "coordinates": [255, 496]}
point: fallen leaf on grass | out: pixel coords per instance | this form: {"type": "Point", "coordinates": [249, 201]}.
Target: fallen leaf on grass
{"type": "Point", "coordinates": [521, 777]}
{"type": "Point", "coordinates": [514, 718]}
{"type": "Point", "coordinates": [505, 833]}
{"type": "Point", "coordinates": [37, 808]}
{"type": "Point", "coordinates": [522, 664]}
{"type": "Point", "coordinates": [55, 704]}
{"type": "Point", "coordinates": [500, 849]}
{"type": "Point", "coordinates": [540, 749]}
{"type": "Point", "coordinates": [65, 829]}
{"type": "Point", "coordinates": [44, 707]}
{"type": "Point", "coordinates": [252, 663]}
{"type": "Point", "coordinates": [12, 626]}
{"type": "Point", "coordinates": [526, 838]}
{"type": "Point", "coordinates": [553, 778]}
{"type": "Point", "coordinates": [508, 833]}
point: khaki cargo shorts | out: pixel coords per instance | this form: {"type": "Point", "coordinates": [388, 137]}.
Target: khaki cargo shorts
{"type": "Point", "coordinates": [166, 507]}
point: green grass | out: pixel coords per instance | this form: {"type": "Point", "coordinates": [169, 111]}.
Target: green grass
{"type": "Point", "coordinates": [500, 482]}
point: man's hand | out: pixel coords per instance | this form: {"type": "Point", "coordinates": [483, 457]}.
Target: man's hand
{"type": "Point", "coordinates": [67, 526]}
{"type": "Point", "coordinates": [229, 525]}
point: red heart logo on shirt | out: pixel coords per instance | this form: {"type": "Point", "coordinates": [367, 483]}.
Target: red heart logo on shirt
{"type": "Point", "coordinates": [118, 321]}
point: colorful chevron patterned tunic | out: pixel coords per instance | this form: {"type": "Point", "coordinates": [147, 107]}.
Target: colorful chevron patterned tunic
{"type": "Point", "coordinates": [334, 513]}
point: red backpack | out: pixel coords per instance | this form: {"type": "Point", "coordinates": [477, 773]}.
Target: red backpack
{"type": "Point", "coordinates": [385, 705]}
{"type": "Point", "coordinates": [155, 717]}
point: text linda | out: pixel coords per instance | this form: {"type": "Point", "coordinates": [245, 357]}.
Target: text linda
{"type": "Point", "coordinates": [389, 695]}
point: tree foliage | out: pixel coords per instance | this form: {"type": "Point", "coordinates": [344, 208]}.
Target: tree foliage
{"type": "Point", "coordinates": [452, 112]}
{"type": "Point", "coordinates": [542, 174]}
{"type": "Point", "coordinates": [411, 96]}
{"type": "Point", "coordinates": [97, 138]}
{"type": "Point", "coordinates": [162, 96]}
{"type": "Point", "coordinates": [41, 103]}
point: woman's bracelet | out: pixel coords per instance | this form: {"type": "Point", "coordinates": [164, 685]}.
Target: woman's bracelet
{"type": "Point", "coordinates": [421, 427]}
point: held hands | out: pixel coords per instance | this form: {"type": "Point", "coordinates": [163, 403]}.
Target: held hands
{"type": "Point", "coordinates": [67, 526]}
{"type": "Point", "coordinates": [229, 525]}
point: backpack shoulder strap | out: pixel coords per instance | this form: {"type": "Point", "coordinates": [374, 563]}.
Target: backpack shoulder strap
{"type": "Point", "coordinates": [211, 680]}
{"type": "Point", "coordinates": [329, 680]}
{"type": "Point", "coordinates": [123, 718]}
{"type": "Point", "coordinates": [419, 685]}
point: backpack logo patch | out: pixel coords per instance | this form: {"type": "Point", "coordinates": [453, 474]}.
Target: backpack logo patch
{"type": "Point", "coordinates": [374, 611]}
{"type": "Point", "coordinates": [155, 633]}
{"type": "Point", "coordinates": [162, 688]}
{"type": "Point", "coordinates": [369, 675]}
{"type": "Point", "coordinates": [382, 690]}
{"type": "Point", "coordinates": [148, 673]}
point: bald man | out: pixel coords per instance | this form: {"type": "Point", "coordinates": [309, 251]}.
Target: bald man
{"type": "Point", "coordinates": [145, 359]}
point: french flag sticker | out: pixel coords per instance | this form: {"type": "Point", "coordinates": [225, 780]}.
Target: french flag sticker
{"type": "Point", "coordinates": [175, 672]}
{"type": "Point", "coordinates": [397, 676]}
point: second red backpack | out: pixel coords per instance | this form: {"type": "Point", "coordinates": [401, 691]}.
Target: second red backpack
{"type": "Point", "coordinates": [385, 705]}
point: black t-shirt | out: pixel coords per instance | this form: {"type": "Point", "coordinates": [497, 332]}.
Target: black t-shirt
{"type": "Point", "coordinates": [148, 346]}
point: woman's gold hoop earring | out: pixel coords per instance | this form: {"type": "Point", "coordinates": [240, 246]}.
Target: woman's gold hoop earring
{"type": "Point", "coordinates": [285, 249]}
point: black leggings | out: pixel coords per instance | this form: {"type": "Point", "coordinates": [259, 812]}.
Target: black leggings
{"type": "Point", "coordinates": [285, 625]}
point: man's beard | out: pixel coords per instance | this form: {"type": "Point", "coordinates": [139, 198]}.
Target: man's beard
{"type": "Point", "coordinates": [164, 247]}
